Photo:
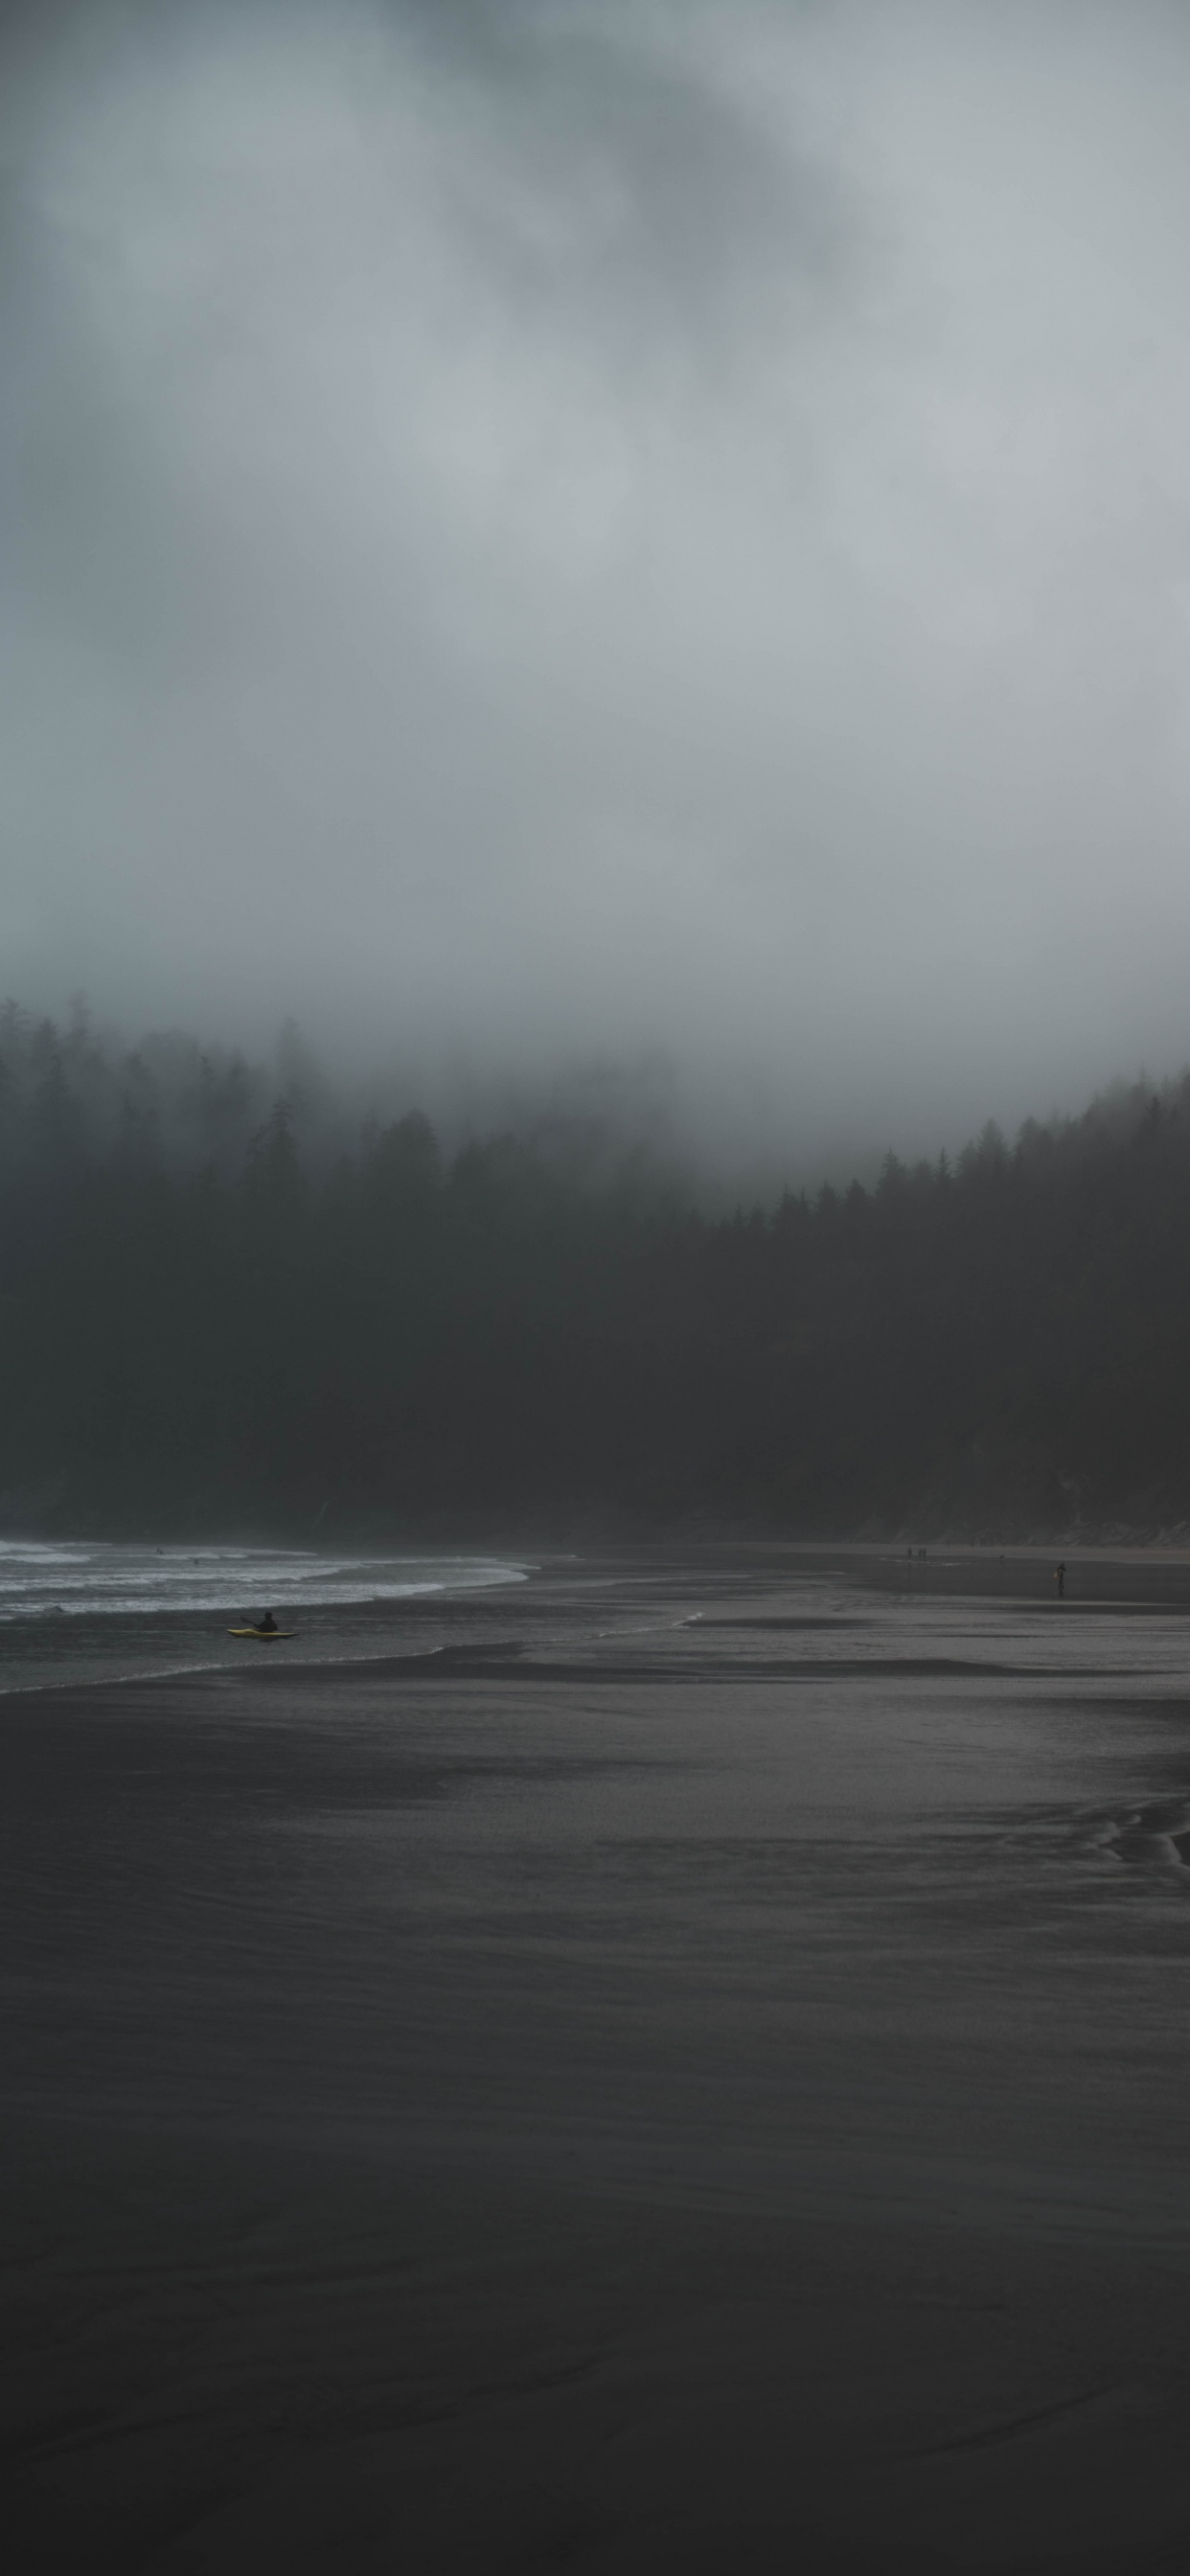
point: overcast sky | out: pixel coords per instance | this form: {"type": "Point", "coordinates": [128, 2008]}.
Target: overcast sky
{"type": "Point", "coordinates": [556, 529]}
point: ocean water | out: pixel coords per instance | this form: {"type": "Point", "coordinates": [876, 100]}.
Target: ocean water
{"type": "Point", "coordinates": [697, 1874]}
{"type": "Point", "coordinates": [83, 1610]}
{"type": "Point", "coordinates": [656, 2064]}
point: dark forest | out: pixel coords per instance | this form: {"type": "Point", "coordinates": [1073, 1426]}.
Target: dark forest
{"type": "Point", "coordinates": [224, 1309]}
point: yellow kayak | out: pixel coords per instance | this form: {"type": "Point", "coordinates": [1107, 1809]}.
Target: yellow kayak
{"type": "Point", "coordinates": [266, 1635]}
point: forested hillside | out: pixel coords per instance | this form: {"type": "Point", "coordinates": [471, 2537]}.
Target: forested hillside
{"type": "Point", "coordinates": [215, 1311]}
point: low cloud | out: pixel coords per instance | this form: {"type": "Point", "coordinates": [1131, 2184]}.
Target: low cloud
{"type": "Point", "coordinates": [555, 533]}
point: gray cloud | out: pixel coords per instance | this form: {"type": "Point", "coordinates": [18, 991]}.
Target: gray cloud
{"type": "Point", "coordinates": [556, 530]}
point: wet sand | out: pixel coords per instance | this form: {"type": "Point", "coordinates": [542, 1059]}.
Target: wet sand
{"type": "Point", "coordinates": [692, 2076]}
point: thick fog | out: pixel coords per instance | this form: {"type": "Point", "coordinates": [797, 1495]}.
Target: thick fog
{"type": "Point", "coordinates": [657, 534]}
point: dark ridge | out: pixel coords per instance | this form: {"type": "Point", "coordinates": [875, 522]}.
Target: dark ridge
{"type": "Point", "coordinates": [228, 1302]}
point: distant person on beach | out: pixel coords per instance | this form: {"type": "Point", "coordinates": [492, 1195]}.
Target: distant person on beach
{"type": "Point", "coordinates": [1060, 1580]}
{"type": "Point", "coordinates": [267, 1625]}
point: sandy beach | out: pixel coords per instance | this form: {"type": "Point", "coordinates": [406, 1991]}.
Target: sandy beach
{"type": "Point", "coordinates": [686, 2070]}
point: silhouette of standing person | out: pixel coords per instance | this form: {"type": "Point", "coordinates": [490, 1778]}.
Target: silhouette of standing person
{"type": "Point", "coordinates": [1060, 1580]}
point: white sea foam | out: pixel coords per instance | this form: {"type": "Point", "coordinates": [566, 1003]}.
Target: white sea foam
{"type": "Point", "coordinates": [89, 1581]}
{"type": "Point", "coordinates": [82, 1610]}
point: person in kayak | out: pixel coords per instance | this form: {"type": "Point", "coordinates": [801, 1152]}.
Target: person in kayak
{"type": "Point", "coordinates": [268, 1625]}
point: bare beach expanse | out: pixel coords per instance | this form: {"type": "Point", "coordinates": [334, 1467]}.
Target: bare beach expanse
{"type": "Point", "coordinates": [677, 2063]}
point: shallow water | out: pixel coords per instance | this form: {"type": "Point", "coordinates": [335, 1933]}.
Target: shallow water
{"type": "Point", "coordinates": [85, 1610]}
{"type": "Point", "coordinates": [666, 2065]}
{"type": "Point", "coordinates": [790, 1892]}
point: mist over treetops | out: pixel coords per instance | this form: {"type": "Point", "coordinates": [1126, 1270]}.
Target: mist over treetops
{"type": "Point", "coordinates": [227, 1307]}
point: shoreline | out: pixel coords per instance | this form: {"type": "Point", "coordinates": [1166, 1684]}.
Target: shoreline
{"type": "Point", "coordinates": [1138, 1581]}
{"type": "Point", "coordinates": [649, 2122]}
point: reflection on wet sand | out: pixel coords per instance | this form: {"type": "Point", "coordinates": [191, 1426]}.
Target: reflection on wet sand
{"type": "Point", "coordinates": [621, 2092]}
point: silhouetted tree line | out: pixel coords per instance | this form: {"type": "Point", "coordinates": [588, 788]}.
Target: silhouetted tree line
{"type": "Point", "coordinates": [213, 1309]}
